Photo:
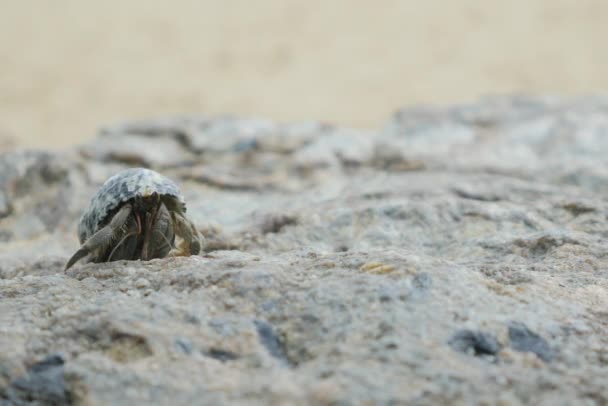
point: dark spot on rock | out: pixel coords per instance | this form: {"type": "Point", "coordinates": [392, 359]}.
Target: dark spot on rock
{"type": "Point", "coordinates": [474, 342]}
{"type": "Point", "coordinates": [44, 383]}
{"type": "Point", "coordinates": [479, 196]}
{"type": "Point", "coordinates": [275, 223]}
{"type": "Point", "coordinates": [127, 158]}
{"type": "Point", "coordinates": [386, 295]}
{"type": "Point", "coordinates": [525, 340]}
{"type": "Point", "coordinates": [271, 341]}
{"type": "Point", "coordinates": [184, 345]}
{"type": "Point", "coordinates": [391, 346]}
{"type": "Point", "coordinates": [221, 355]}
{"type": "Point", "coordinates": [326, 374]}
{"type": "Point", "coordinates": [422, 281]}
{"type": "Point", "coordinates": [384, 329]}
{"type": "Point", "coordinates": [192, 319]}
{"type": "Point", "coordinates": [49, 362]}
{"type": "Point", "coordinates": [578, 208]}
{"type": "Point", "coordinates": [246, 145]}
{"type": "Point", "coordinates": [6, 207]}
{"type": "Point", "coordinates": [543, 244]}
{"type": "Point", "coordinates": [310, 318]}
{"type": "Point", "coordinates": [389, 159]}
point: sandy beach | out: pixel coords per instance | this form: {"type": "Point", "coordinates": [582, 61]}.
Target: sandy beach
{"type": "Point", "coordinates": [69, 67]}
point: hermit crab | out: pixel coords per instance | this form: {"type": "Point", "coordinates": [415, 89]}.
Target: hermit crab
{"type": "Point", "coordinates": [136, 214]}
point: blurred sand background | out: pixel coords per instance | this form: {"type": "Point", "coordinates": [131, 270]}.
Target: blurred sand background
{"type": "Point", "coordinates": [69, 66]}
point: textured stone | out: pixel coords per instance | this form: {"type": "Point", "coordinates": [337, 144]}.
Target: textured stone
{"type": "Point", "coordinates": [341, 267]}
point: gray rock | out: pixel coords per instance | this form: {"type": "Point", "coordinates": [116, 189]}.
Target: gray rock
{"type": "Point", "coordinates": [525, 340]}
{"type": "Point", "coordinates": [474, 342]}
{"type": "Point", "coordinates": [341, 267]}
{"type": "Point", "coordinates": [44, 384]}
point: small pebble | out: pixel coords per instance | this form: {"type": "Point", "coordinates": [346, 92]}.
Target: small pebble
{"type": "Point", "coordinates": [142, 283]}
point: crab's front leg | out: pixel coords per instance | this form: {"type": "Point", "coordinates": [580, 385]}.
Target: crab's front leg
{"type": "Point", "coordinates": [191, 240]}
{"type": "Point", "coordinates": [162, 235]}
{"type": "Point", "coordinates": [98, 244]}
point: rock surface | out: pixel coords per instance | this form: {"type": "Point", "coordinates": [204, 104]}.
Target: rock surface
{"type": "Point", "coordinates": [456, 255]}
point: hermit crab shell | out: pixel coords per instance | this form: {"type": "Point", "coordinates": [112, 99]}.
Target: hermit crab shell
{"type": "Point", "coordinates": [118, 190]}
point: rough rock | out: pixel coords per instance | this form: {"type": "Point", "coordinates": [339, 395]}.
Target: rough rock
{"type": "Point", "coordinates": [454, 256]}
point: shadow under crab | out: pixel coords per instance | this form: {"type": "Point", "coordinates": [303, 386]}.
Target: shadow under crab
{"type": "Point", "coordinates": [136, 214]}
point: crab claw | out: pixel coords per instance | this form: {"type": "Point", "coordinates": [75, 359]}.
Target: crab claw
{"type": "Point", "coordinates": [102, 238]}
{"type": "Point", "coordinates": [81, 253]}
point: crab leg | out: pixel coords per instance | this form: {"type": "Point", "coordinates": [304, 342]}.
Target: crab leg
{"type": "Point", "coordinates": [101, 240]}
{"type": "Point", "coordinates": [191, 238]}
{"type": "Point", "coordinates": [162, 234]}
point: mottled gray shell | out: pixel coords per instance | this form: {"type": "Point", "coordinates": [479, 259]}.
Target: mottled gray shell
{"type": "Point", "coordinates": [119, 189]}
